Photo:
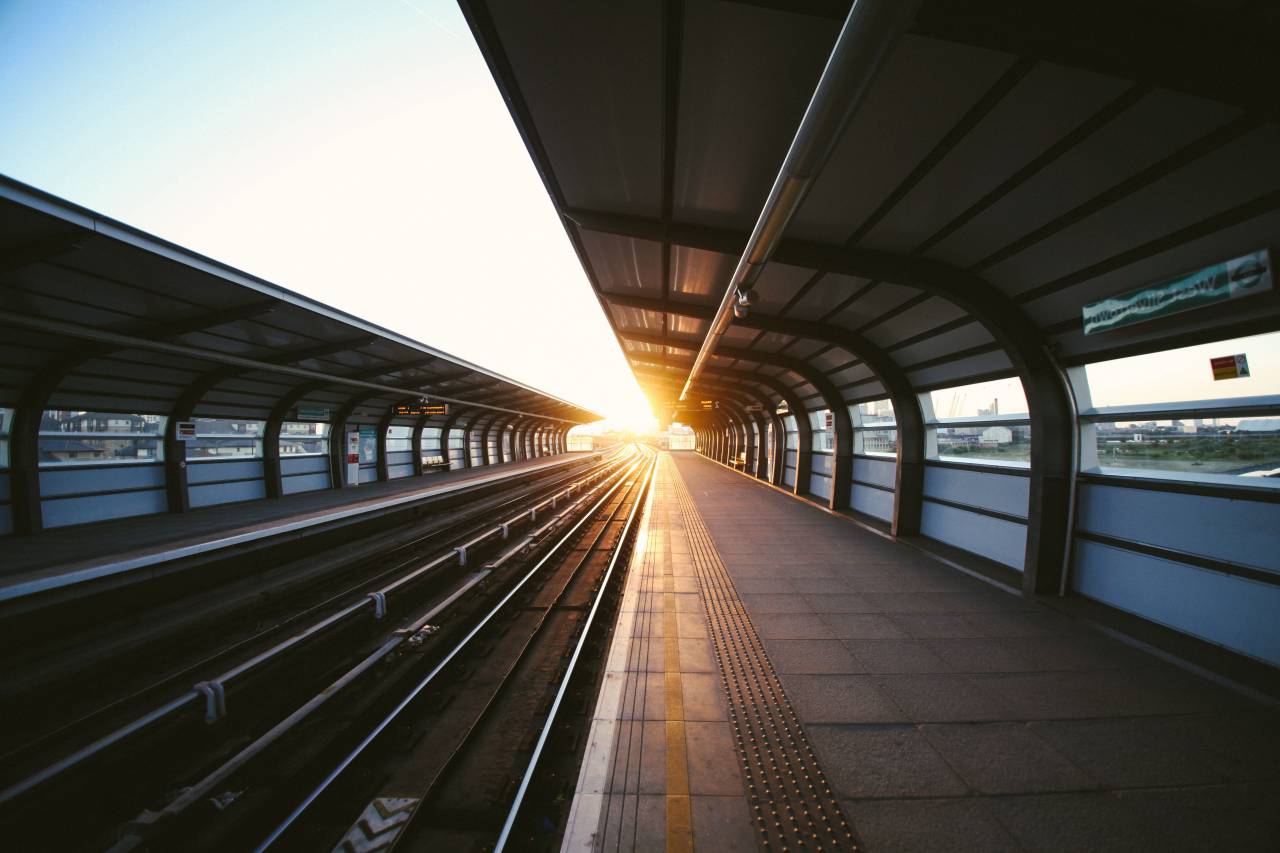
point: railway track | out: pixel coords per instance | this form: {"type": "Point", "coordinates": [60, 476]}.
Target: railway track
{"type": "Point", "coordinates": [174, 742]}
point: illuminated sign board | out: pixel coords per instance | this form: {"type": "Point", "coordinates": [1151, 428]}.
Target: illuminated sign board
{"type": "Point", "coordinates": [312, 413]}
{"type": "Point", "coordinates": [419, 410]}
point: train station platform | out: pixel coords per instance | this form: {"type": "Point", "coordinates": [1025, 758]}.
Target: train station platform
{"type": "Point", "coordinates": [69, 555]}
{"type": "Point", "coordinates": [780, 673]}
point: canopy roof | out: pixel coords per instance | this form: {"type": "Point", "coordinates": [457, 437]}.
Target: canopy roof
{"type": "Point", "coordinates": [1011, 163]}
{"type": "Point", "coordinates": [98, 315]}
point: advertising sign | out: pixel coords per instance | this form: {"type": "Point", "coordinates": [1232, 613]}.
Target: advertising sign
{"type": "Point", "coordinates": [184, 430]}
{"type": "Point", "coordinates": [368, 445]}
{"type": "Point", "coordinates": [1230, 367]}
{"type": "Point", "coordinates": [1243, 276]}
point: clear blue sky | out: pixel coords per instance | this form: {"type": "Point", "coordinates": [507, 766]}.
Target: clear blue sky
{"type": "Point", "coordinates": [356, 152]}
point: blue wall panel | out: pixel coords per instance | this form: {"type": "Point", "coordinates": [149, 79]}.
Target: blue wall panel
{"type": "Point", "coordinates": [789, 459]}
{"type": "Point", "coordinates": [60, 512]}
{"type": "Point", "coordinates": [819, 486]}
{"type": "Point", "coordinates": [71, 481]}
{"type": "Point", "coordinates": [1237, 613]}
{"type": "Point", "coordinates": [881, 472]}
{"type": "Point", "coordinates": [789, 477]}
{"type": "Point", "coordinates": [822, 463]}
{"type": "Point", "coordinates": [873, 502]}
{"type": "Point", "coordinates": [304, 465]}
{"type": "Point", "coordinates": [399, 464]}
{"type": "Point", "coordinates": [208, 472]}
{"type": "Point", "coordinates": [305, 483]}
{"type": "Point", "coordinates": [221, 493]}
{"type": "Point", "coordinates": [993, 538]}
{"type": "Point", "coordinates": [4, 485]}
{"type": "Point", "coordinates": [368, 473]}
{"type": "Point", "coordinates": [1234, 531]}
{"type": "Point", "coordinates": [999, 492]}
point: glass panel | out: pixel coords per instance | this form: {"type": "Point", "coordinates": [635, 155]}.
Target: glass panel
{"type": "Point", "coordinates": [997, 397]}
{"type": "Point", "coordinates": [1011, 444]}
{"type": "Point", "coordinates": [876, 442]}
{"type": "Point", "coordinates": [298, 438]}
{"type": "Point", "coordinates": [1243, 447]}
{"type": "Point", "coordinates": [1185, 374]}
{"type": "Point", "coordinates": [874, 412]}
{"type": "Point", "coordinates": [399, 438]}
{"type": "Point", "coordinates": [225, 438]}
{"type": "Point", "coordinates": [95, 438]}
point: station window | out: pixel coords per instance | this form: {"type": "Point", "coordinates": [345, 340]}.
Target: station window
{"type": "Point", "coordinates": [225, 438]}
{"type": "Point", "coordinates": [304, 438]}
{"type": "Point", "coordinates": [824, 434]}
{"type": "Point", "coordinates": [875, 428]}
{"type": "Point", "coordinates": [1164, 415]}
{"type": "Point", "coordinates": [430, 443]}
{"type": "Point", "coordinates": [399, 438]}
{"type": "Point", "coordinates": [6, 425]}
{"type": "Point", "coordinates": [983, 423]}
{"type": "Point", "coordinates": [793, 435]}
{"type": "Point", "coordinates": [100, 438]}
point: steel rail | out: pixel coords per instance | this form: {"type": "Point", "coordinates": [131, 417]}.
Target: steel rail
{"type": "Point", "coordinates": [387, 720]}
{"type": "Point", "coordinates": [513, 812]}
{"type": "Point", "coordinates": [194, 696]}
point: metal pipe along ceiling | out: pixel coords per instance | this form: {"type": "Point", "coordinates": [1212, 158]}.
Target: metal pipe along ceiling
{"type": "Point", "coordinates": [869, 33]}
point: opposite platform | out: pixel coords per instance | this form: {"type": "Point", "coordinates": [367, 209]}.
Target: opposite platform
{"type": "Point", "coordinates": [945, 713]}
{"type": "Point", "coordinates": [72, 554]}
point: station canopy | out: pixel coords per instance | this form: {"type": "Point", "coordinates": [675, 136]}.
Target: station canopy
{"type": "Point", "coordinates": [1010, 163]}
{"type": "Point", "coordinates": [99, 316]}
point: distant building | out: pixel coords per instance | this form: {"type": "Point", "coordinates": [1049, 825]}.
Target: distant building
{"type": "Point", "coordinates": [996, 435]}
{"type": "Point", "coordinates": [1259, 425]}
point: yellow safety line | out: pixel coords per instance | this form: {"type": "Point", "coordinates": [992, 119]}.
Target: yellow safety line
{"type": "Point", "coordinates": [679, 812]}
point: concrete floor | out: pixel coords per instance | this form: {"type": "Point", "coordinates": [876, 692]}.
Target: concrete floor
{"type": "Point", "coordinates": [946, 713]}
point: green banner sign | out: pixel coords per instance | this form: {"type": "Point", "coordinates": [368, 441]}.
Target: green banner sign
{"type": "Point", "coordinates": [312, 413]}
{"type": "Point", "coordinates": [1241, 276]}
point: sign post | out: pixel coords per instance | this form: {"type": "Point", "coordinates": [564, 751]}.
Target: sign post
{"type": "Point", "coordinates": [1230, 367]}
{"type": "Point", "coordinates": [353, 458]}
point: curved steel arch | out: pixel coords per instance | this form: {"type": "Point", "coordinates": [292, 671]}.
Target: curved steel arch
{"type": "Point", "coordinates": [1052, 413]}
{"type": "Point", "coordinates": [804, 430]}
{"type": "Point", "coordinates": [842, 454]}
{"type": "Point", "coordinates": [909, 477]}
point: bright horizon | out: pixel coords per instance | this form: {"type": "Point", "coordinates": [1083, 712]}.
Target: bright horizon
{"type": "Point", "coordinates": [359, 155]}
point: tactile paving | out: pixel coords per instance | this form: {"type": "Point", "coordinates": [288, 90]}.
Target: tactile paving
{"type": "Point", "coordinates": [791, 802]}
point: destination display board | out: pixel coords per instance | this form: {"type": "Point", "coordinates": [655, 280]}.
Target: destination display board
{"type": "Point", "coordinates": [1242, 276]}
{"type": "Point", "coordinates": [418, 410]}
{"type": "Point", "coordinates": [312, 413]}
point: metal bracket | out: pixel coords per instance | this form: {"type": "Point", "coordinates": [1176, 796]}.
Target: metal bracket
{"type": "Point", "coordinates": [506, 529]}
{"type": "Point", "coordinates": [379, 604]}
{"type": "Point", "coordinates": [462, 555]}
{"type": "Point", "coordinates": [215, 700]}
